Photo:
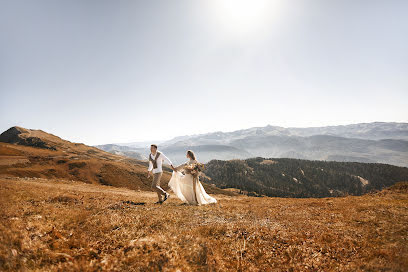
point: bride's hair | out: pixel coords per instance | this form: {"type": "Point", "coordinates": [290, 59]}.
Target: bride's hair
{"type": "Point", "coordinates": [190, 153]}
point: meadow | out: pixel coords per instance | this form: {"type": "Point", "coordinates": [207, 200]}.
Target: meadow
{"type": "Point", "coordinates": [61, 225]}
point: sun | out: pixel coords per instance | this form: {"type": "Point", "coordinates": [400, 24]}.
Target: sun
{"type": "Point", "coordinates": [243, 17]}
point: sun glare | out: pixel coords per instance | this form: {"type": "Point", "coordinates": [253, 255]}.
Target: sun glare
{"type": "Point", "coordinates": [244, 17]}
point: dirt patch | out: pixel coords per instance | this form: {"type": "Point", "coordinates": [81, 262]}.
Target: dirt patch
{"type": "Point", "coordinates": [12, 160]}
{"type": "Point", "coordinates": [269, 162]}
{"type": "Point", "coordinates": [63, 199]}
{"type": "Point", "coordinates": [73, 165]}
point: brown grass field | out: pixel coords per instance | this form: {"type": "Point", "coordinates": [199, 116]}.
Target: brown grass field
{"type": "Point", "coordinates": [57, 225]}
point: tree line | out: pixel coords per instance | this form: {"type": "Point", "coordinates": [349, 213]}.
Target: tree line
{"type": "Point", "coordinates": [302, 178]}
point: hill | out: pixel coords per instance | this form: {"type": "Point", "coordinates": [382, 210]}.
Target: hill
{"type": "Point", "coordinates": [205, 152]}
{"type": "Point", "coordinates": [35, 153]}
{"type": "Point", "coordinates": [302, 178]}
{"type": "Point", "coordinates": [56, 225]}
{"type": "Point", "coordinates": [123, 151]}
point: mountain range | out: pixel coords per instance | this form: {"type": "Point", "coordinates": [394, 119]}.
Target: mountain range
{"type": "Point", "coordinates": [378, 142]}
{"type": "Point", "coordinates": [27, 153]}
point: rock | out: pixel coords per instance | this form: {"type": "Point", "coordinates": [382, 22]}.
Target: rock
{"type": "Point", "coordinates": [12, 135]}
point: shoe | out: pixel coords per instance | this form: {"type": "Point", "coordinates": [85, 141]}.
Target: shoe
{"type": "Point", "coordinates": [159, 202]}
{"type": "Point", "coordinates": [166, 197]}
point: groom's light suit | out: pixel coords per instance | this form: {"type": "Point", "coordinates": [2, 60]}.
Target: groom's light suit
{"type": "Point", "coordinates": [156, 166]}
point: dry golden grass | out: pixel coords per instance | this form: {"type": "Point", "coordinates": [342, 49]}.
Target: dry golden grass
{"type": "Point", "coordinates": [71, 226]}
{"type": "Point", "coordinates": [73, 162]}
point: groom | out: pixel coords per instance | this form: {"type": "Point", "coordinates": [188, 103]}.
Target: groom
{"type": "Point", "coordinates": [156, 159]}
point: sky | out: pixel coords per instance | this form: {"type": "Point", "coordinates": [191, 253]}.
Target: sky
{"type": "Point", "coordinates": [102, 72]}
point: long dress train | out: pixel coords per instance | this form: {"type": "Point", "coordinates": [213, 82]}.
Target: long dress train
{"type": "Point", "coordinates": [182, 185]}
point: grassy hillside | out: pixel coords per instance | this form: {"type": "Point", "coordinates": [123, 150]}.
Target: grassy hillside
{"type": "Point", "coordinates": [56, 225]}
{"type": "Point", "coordinates": [88, 165]}
{"type": "Point", "coordinates": [302, 178]}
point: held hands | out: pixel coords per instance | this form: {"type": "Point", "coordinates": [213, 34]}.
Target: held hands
{"type": "Point", "coordinates": [174, 168]}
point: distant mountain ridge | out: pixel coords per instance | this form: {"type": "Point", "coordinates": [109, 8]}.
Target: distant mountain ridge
{"type": "Point", "coordinates": [367, 131]}
{"type": "Point", "coordinates": [380, 142]}
{"type": "Point", "coordinates": [122, 150]}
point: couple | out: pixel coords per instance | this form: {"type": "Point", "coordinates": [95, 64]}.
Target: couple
{"type": "Point", "coordinates": [185, 185]}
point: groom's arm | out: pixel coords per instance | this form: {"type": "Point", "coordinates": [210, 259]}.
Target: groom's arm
{"type": "Point", "coordinates": [149, 170]}
{"type": "Point", "coordinates": [165, 159]}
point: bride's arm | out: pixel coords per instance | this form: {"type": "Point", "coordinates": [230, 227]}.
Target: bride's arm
{"type": "Point", "coordinates": [181, 166]}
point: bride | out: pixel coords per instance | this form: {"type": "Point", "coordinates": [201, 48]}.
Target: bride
{"type": "Point", "coordinates": [187, 186]}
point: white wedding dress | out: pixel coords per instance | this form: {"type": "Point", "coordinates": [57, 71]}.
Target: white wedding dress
{"type": "Point", "coordinates": [182, 185]}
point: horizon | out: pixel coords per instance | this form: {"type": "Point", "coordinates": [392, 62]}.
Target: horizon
{"type": "Point", "coordinates": [205, 133]}
{"type": "Point", "coordinates": [220, 131]}
{"type": "Point", "coordinates": [106, 72]}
